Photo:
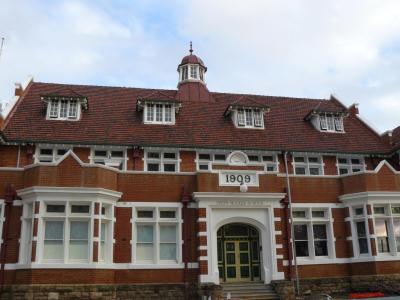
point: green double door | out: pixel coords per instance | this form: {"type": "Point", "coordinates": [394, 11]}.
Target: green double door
{"type": "Point", "coordinates": [238, 253]}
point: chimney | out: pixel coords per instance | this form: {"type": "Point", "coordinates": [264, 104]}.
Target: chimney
{"type": "Point", "coordinates": [353, 109]}
{"type": "Point", "coordinates": [18, 89]}
{"type": "Point", "coordinates": [387, 136]}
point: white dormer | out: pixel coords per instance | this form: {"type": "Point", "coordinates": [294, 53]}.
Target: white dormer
{"type": "Point", "coordinates": [64, 105]}
{"type": "Point", "coordinates": [247, 116]}
{"type": "Point", "coordinates": [162, 111]}
{"type": "Point", "coordinates": [328, 122]}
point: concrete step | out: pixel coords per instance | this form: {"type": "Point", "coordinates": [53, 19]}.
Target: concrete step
{"type": "Point", "coordinates": [249, 291]}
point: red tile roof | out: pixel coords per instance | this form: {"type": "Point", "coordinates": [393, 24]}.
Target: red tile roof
{"type": "Point", "coordinates": [112, 119]}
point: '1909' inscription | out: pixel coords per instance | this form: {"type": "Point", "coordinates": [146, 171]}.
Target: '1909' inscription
{"type": "Point", "coordinates": [238, 178]}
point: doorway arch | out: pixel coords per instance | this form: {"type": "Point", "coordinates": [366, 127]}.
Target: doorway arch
{"type": "Point", "coordinates": [239, 257]}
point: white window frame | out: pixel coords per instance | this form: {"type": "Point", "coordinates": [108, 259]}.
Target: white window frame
{"type": "Point", "coordinates": [240, 118]}
{"type": "Point", "coordinates": [156, 222]}
{"type": "Point", "coordinates": [307, 164]}
{"type": "Point", "coordinates": [330, 122]}
{"type": "Point", "coordinates": [390, 218]}
{"type": "Point", "coordinates": [164, 120]}
{"type": "Point", "coordinates": [67, 217]}
{"type": "Point", "coordinates": [54, 157]}
{"type": "Point", "coordinates": [161, 161]}
{"type": "Point", "coordinates": [69, 116]}
{"type": "Point", "coordinates": [349, 166]}
{"type": "Point", "coordinates": [309, 221]}
{"type": "Point", "coordinates": [187, 71]}
{"type": "Point", "coordinates": [25, 252]}
{"type": "Point", "coordinates": [108, 220]}
{"type": "Point", "coordinates": [354, 233]}
{"type": "Point", "coordinates": [109, 160]}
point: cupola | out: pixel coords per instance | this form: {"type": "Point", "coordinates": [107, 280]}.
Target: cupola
{"type": "Point", "coordinates": [191, 68]}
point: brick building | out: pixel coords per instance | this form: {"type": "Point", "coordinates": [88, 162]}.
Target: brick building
{"type": "Point", "coordinates": [121, 192]}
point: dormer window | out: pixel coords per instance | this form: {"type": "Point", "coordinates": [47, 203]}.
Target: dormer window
{"type": "Point", "coordinates": [65, 105]}
{"type": "Point", "coordinates": [330, 122]}
{"type": "Point", "coordinates": [159, 113]}
{"type": "Point", "coordinates": [249, 117]}
{"type": "Point", "coordinates": [63, 109]}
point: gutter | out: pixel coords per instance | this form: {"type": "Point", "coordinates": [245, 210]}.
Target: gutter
{"type": "Point", "coordinates": [290, 229]}
{"type": "Point", "coordinates": [10, 196]}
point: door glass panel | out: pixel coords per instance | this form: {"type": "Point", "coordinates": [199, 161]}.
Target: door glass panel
{"type": "Point", "coordinates": [244, 272]}
{"type": "Point", "coordinates": [230, 258]}
{"type": "Point", "coordinates": [254, 250]}
{"type": "Point", "coordinates": [244, 258]}
{"type": "Point", "coordinates": [231, 272]}
{"type": "Point", "coordinates": [244, 246]}
{"type": "Point", "coordinates": [230, 246]}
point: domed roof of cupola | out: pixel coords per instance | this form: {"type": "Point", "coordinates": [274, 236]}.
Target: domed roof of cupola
{"type": "Point", "coordinates": [192, 59]}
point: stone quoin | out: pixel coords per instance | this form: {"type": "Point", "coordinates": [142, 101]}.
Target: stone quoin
{"type": "Point", "coordinates": [130, 193]}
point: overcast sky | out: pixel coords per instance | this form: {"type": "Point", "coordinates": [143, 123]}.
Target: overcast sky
{"type": "Point", "coordinates": [284, 47]}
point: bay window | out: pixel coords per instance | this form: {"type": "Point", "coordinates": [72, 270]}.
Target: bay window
{"type": "Point", "coordinates": [360, 232]}
{"type": "Point", "coordinates": [387, 228]}
{"type": "Point", "coordinates": [156, 235]}
{"type": "Point", "coordinates": [313, 233]}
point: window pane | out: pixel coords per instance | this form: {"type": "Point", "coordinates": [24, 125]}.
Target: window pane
{"type": "Point", "coordinates": [301, 248]}
{"type": "Point", "coordinates": [168, 251]}
{"type": "Point", "coordinates": [54, 109]}
{"type": "Point", "coordinates": [155, 155]}
{"type": "Point", "coordinates": [396, 210]}
{"type": "Point", "coordinates": [318, 214]}
{"type": "Point", "coordinates": [361, 229]}
{"type": "Point", "coordinates": [240, 117]}
{"type": "Point", "coordinates": [221, 157]}
{"type": "Point", "coordinates": [379, 210]}
{"type": "Point", "coordinates": [46, 151]}
{"type": "Point", "coordinates": [342, 160]}
{"type": "Point", "coordinates": [268, 158]}
{"type": "Point", "coordinates": [300, 232]}
{"type": "Point", "coordinates": [167, 233]}
{"type": "Point", "coordinates": [258, 118]}
{"type": "Point", "coordinates": [53, 250]}
{"type": "Point", "coordinates": [167, 214]}
{"type": "Point", "coordinates": [64, 108]}
{"type": "Point", "coordinates": [299, 214]}
{"type": "Point", "coordinates": [249, 117]}
{"type": "Point", "coordinates": [253, 158]}
{"type": "Point", "coordinates": [339, 123]}
{"type": "Point", "coordinates": [330, 122]}
{"type": "Point", "coordinates": [145, 214]}
{"type": "Point", "coordinates": [203, 166]}
{"type": "Point", "coordinates": [204, 156]}
{"type": "Point", "coordinates": [363, 245]}
{"type": "Point", "coordinates": [145, 233]}
{"type": "Point", "coordinates": [168, 113]}
{"type": "Point", "coordinates": [355, 161]}
{"type": "Point", "coordinates": [153, 167]}
{"type": "Point", "coordinates": [61, 152]}
{"type": "Point", "coordinates": [150, 112]}
{"type": "Point", "coordinates": [380, 227]}
{"type": "Point", "coordinates": [55, 208]}
{"type": "Point", "coordinates": [359, 211]}
{"type": "Point", "coordinates": [343, 171]}
{"type": "Point", "coordinates": [323, 123]}
{"type": "Point", "coordinates": [79, 230]}
{"type": "Point", "coordinates": [80, 209]}
{"type": "Point", "coordinates": [314, 171]}
{"type": "Point", "coordinates": [117, 153]}
{"type": "Point", "coordinates": [383, 244]}
{"type": "Point", "coordinates": [78, 249]}
{"type": "Point", "coordinates": [299, 159]}
{"type": "Point", "coordinates": [170, 155]}
{"type": "Point", "coordinates": [73, 109]}
{"type": "Point", "coordinates": [313, 159]}
{"type": "Point", "coordinates": [321, 248]}
{"type": "Point", "coordinates": [54, 230]}
{"type": "Point", "coordinates": [144, 251]}
{"type": "Point", "coordinates": [319, 231]}
{"type": "Point", "coordinates": [100, 153]}
{"type": "Point", "coordinates": [169, 168]}
{"type": "Point", "coordinates": [159, 109]}
{"type": "Point", "coordinates": [300, 170]}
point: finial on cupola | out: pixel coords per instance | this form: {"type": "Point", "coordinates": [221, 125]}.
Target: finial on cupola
{"type": "Point", "coordinates": [191, 48]}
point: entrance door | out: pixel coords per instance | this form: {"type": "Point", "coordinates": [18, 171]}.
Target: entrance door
{"type": "Point", "coordinates": [238, 253]}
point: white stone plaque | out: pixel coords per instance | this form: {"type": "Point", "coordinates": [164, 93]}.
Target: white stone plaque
{"type": "Point", "coordinates": [237, 178]}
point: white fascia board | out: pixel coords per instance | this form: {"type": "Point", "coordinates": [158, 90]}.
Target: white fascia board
{"type": "Point", "coordinates": [64, 193]}
{"type": "Point", "coordinates": [370, 197]}
{"type": "Point", "coordinates": [199, 196]}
